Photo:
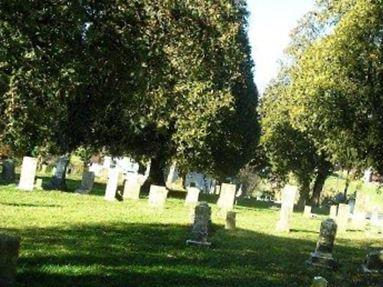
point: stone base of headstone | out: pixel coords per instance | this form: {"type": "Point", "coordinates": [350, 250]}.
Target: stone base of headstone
{"type": "Point", "coordinates": [132, 190]}
{"type": "Point", "coordinates": [194, 242]}
{"type": "Point", "coordinates": [8, 172]}
{"type": "Point", "coordinates": [87, 183]}
{"type": "Point", "coordinates": [158, 195]}
{"type": "Point", "coordinates": [373, 263]}
{"type": "Point", "coordinates": [230, 223]}
{"type": "Point", "coordinates": [322, 260]}
{"type": "Point", "coordinates": [9, 253]}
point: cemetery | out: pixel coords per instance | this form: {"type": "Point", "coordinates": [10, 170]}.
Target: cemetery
{"type": "Point", "coordinates": [234, 143]}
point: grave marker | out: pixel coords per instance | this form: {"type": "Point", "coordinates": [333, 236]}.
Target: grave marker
{"type": "Point", "coordinates": [111, 187]}
{"type": "Point", "coordinates": [227, 196]}
{"type": "Point", "coordinates": [158, 195]}
{"type": "Point", "coordinates": [28, 173]}
{"type": "Point", "coordinates": [288, 198]}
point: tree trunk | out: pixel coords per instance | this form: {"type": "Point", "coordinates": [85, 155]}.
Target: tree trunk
{"type": "Point", "coordinates": [304, 193]}
{"type": "Point", "coordinates": [156, 173]}
{"type": "Point", "coordinates": [324, 170]}
{"type": "Point", "coordinates": [346, 185]}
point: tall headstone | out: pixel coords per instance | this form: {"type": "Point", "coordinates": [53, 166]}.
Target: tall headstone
{"type": "Point", "coordinates": [111, 186]}
{"type": "Point", "coordinates": [342, 217]}
{"type": "Point", "coordinates": [322, 256]}
{"type": "Point", "coordinates": [367, 176]}
{"type": "Point", "coordinates": [132, 188]}
{"type": "Point", "coordinates": [230, 223]}
{"type": "Point", "coordinates": [333, 211]}
{"type": "Point", "coordinates": [28, 173]}
{"type": "Point", "coordinates": [172, 175]}
{"type": "Point", "coordinates": [192, 196]}
{"type": "Point", "coordinates": [288, 198]}
{"type": "Point", "coordinates": [58, 179]}
{"type": "Point", "coordinates": [9, 253]}
{"type": "Point", "coordinates": [307, 211]}
{"type": "Point", "coordinates": [362, 203]}
{"type": "Point", "coordinates": [8, 172]}
{"type": "Point", "coordinates": [373, 263]}
{"type": "Point", "coordinates": [227, 196]}
{"type": "Point", "coordinates": [87, 182]}
{"type": "Point", "coordinates": [158, 195]}
{"type": "Point", "coordinates": [200, 229]}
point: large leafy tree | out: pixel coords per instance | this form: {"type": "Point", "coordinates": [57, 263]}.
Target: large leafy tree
{"type": "Point", "coordinates": [159, 81]}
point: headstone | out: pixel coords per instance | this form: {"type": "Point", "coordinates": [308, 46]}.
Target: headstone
{"type": "Point", "coordinates": [58, 179]}
{"type": "Point", "coordinates": [373, 262]}
{"type": "Point", "coordinates": [39, 184]}
{"type": "Point", "coordinates": [342, 217]}
{"type": "Point", "coordinates": [307, 211]}
{"type": "Point", "coordinates": [227, 196]}
{"type": "Point", "coordinates": [172, 175]}
{"type": "Point", "coordinates": [157, 195]}
{"type": "Point", "coordinates": [319, 282]}
{"type": "Point", "coordinates": [9, 253]}
{"type": "Point", "coordinates": [217, 189]}
{"type": "Point", "coordinates": [192, 196]}
{"type": "Point", "coordinates": [359, 219]}
{"type": "Point", "coordinates": [333, 211]}
{"type": "Point", "coordinates": [8, 172]}
{"type": "Point", "coordinates": [111, 186]}
{"type": "Point", "coordinates": [230, 223]}
{"type": "Point", "coordinates": [28, 173]}
{"type": "Point", "coordinates": [367, 176]}
{"type": "Point", "coordinates": [362, 203]}
{"type": "Point", "coordinates": [288, 198]}
{"type": "Point", "coordinates": [132, 188]}
{"type": "Point", "coordinates": [322, 257]}
{"type": "Point", "coordinates": [87, 182]}
{"type": "Point", "coordinates": [200, 229]}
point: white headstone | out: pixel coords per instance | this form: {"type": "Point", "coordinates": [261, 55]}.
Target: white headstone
{"type": "Point", "coordinates": [132, 188]}
{"type": "Point", "coordinates": [192, 196]}
{"type": "Point", "coordinates": [28, 173]}
{"type": "Point", "coordinates": [157, 195]}
{"type": "Point", "coordinates": [288, 199]}
{"type": "Point", "coordinates": [111, 187]}
{"type": "Point", "coordinates": [227, 196]}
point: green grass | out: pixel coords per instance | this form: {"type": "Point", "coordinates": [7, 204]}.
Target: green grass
{"type": "Point", "coordinates": [74, 240]}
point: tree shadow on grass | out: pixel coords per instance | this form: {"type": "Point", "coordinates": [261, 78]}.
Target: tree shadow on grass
{"type": "Point", "coordinates": [156, 255]}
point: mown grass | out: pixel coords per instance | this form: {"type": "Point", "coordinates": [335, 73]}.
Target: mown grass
{"type": "Point", "coordinates": [74, 240]}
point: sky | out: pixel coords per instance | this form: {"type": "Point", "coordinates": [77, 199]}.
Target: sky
{"type": "Point", "coordinates": [270, 23]}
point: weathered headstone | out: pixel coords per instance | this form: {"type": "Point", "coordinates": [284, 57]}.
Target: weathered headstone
{"type": "Point", "coordinates": [9, 253]}
{"type": "Point", "coordinates": [111, 186]}
{"type": "Point", "coordinates": [192, 196]}
{"type": "Point", "coordinates": [288, 198]}
{"type": "Point", "coordinates": [28, 173]}
{"type": "Point", "coordinates": [319, 282]}
{"type": "Point", "coordinates": [333, 211]}
{"type": "Point", "coordinates": [217, 189]}
{"type": "Point", "coordinates": [87, 182]}
{"type": "Point", "coordinates": [322, 257]}
{"type": "Point", "coordinates": [230, 223]}
{"type": "Point", "coordinates": [132, 189]}
{"type": "Point", "coordinates": [362, 202]}
{"type": "Point", "coordinates": [342, 217]}
{"type": "Point", "coordinates": [39, 184]}
{"type": "Point", "coordinates": [373, 263]}
{"type": "Point", "coordinates": [158, 195]}
{"type": "Point", "coordinates": [307, 211]}
{"type": "Point", "coordinates": [58, 179]}
{"type": "Point", "coordinates": [200, 229]}
{"type": "Point", "coordinates": [227, 196]}
{"type": "Point", "coordinates": [8, 172]}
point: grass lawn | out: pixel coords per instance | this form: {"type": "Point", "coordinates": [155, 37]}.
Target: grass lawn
{"type": "Point", "coordinates": [74, 240]}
